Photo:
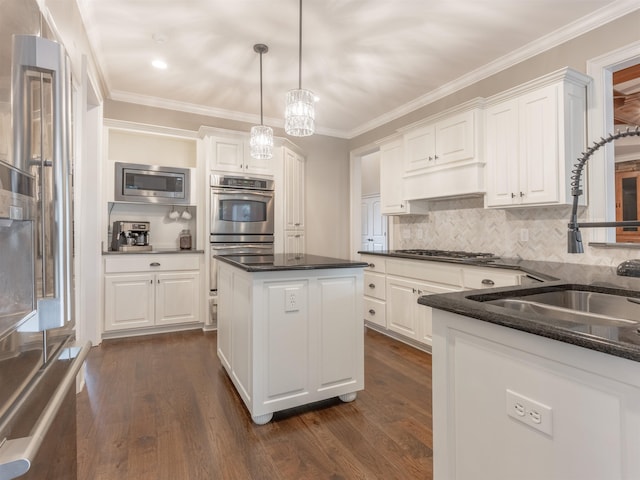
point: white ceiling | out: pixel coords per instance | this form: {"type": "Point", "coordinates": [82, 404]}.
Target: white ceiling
{"type": "Point", "coordinates": [369, 61]}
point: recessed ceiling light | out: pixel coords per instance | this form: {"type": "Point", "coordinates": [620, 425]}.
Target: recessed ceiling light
{"type": "Point", "coordinates": [159, 37]}
{"type": "Point", "coordinates": [159, 64]}
{"type": "Point", "coordinates": [316, 98]}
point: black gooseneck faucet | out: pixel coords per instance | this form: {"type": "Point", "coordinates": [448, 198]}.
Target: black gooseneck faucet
{"type": "Point", "coordinates": [574, 240]}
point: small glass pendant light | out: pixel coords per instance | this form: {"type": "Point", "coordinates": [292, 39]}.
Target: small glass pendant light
{"type": "Point", "coordinates": [261, 136]}
{"type": "Point", "coordinates": [299, 115]}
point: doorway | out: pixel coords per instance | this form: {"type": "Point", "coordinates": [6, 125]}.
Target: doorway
{"type": "Point", "coordinates": [364, 190]}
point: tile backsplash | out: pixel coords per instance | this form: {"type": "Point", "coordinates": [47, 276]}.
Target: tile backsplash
{"type": "Point", "coordinates": [464, 224]}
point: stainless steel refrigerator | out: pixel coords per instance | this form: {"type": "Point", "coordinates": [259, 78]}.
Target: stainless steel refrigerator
{"type": "Point", "coordinates": [39, 358]}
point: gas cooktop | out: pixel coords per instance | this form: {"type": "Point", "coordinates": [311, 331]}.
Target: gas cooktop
{"type": "Point", "coordinates": [449, 254]}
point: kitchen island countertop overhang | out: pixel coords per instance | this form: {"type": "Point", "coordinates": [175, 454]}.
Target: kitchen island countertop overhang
{"type": "Point", "coordinates": [280, 262]}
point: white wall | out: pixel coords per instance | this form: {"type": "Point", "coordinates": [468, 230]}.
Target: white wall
{"type": "Point", "coordinates": [371, 174]}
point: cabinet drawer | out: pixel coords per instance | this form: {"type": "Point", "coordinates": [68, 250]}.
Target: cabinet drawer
{"type": "Point", "coordinates": [151, 263]}
{"type": "Point", "coordinates": [437, 272]}
{"type": "Point", "coordinates": [376, 263]}
{"type": "Point", "coordinates": [375, 311]}
{"type": "Point", "coordinates": [487, 278]}
{"type": "Point", "coordinates": [374, 285]}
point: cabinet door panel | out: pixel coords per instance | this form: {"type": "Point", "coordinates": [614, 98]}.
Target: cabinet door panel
{"type": "Point", "coordinates": [401, 301]}
{"type": "Point", "coordinates": [419, 149]}
{"type": "Point", "coordinates": [287, 340]}
{"type": "Point", "coordinates": [502, 153]}
{"type": "Point", "coordinates": [455, 138]}
{"type": "Point", "coordinates": [129, 301]}
{"type": "Point", "coordinates": [227, 154]}
{"type": "Point", "coordinates": [225, 311]}
{"type": "Point", "coordinates": [294, 191]}
{"type": "Point", "coordinates": [539, 146]}
{"type": "Point", "coordinates": [294, 243]}
{"type": "Point", "coordinates": [241, 345]}
{"type": "Point", "coordinates": [177, 298]}
{"type": "Point", "coordinates": [341, 338]}
{"type": "Point", "coordinates": [391, 182]}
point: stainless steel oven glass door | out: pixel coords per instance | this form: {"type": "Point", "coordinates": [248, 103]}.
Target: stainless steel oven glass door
{"type": "Point", "coordinates": [234, 249]}
{"type": "Point", "coordinates": [241, 212]}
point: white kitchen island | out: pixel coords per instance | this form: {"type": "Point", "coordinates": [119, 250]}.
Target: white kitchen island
{"type": "Point", "coordinates": [290, 330]}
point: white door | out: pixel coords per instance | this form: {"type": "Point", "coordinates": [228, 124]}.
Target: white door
{"type": "Point", "coordinates": [374, 225]}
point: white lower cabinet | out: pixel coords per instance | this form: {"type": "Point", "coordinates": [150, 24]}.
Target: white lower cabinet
{"type": "Point", "coordinates": [375, 290]}
{"type": "Point", "coordinates": [405, 315]}
{"type": "Point", "coordinates": [550, 410]}
{"type": "Point", "coordinates": [149, 291]}
{"type": "Point", "coordinates": [393, 285]}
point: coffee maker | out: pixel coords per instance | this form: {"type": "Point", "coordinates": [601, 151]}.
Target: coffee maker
{"type": "Point", "coordinates": [130, 237]}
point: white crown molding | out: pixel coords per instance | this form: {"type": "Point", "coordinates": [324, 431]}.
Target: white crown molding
{"type": "Point", "coordinates": [568, 32]}
{"type": "Point", "coordinates": [147, 128]}
{"type": "Point", "coordinates": [149, 101]}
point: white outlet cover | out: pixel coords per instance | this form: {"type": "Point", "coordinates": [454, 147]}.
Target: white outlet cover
{"type": "Point", "coordinates": [536, 415]}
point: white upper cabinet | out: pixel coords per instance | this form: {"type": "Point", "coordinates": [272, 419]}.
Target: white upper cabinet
{"type": "Point", "coordinates": [391, 184]}
{"type": "Point", "coordinates": [443, 155]}
{"type": "Point", "coordinates": [534, 135]}
{"type": "Point", "coordinates": [392, 195]}
{"type": "Point", "coordinates": [451, 139]}
{"type": "Point", "coordinates": [233, 154]}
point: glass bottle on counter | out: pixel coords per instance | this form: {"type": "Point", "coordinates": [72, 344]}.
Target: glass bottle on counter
{"type": "Point", "coordinates": [185, 239]}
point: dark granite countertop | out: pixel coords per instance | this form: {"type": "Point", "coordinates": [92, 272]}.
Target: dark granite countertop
{"type": "Point", "coordinates": [279, 262]}
{"type": "Point", "coordinates": [618, 341]}
{"type": "Point", "coordinates": [152, 252]}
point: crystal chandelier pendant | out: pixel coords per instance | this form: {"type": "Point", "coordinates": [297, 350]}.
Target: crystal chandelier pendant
{"type": "Point", "coordinates": [261, 142]}
{"type": "Point", "coordinates": [300, 113]}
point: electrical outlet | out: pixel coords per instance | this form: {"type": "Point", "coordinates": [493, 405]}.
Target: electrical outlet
{"type": "Point", "coordinates": [524, 234]}
{"type": "Point", "coordinates": [291, 300]}
{"type": "Point", "coordinates": [530, 412]}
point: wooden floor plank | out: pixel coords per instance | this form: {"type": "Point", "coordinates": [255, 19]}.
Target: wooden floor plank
{"type": "Point", "coordinates": [162, 407]}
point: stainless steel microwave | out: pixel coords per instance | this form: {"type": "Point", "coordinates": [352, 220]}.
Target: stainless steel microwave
{"type": "Point", "coordinates": [151, 184]}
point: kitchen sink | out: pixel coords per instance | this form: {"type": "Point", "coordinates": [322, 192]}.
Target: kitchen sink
{"type": "Point", "coordinates": [593, 308]}
{"type": "Point", "coordinates": [598, 311]}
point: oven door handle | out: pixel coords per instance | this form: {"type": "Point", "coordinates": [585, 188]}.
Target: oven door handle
{"type": "Point", "coordinates": [246, 245]}
{"type": "Point", "coordinates": [16, 455]}
{"type": "Point", "coordinates": [243, 192]}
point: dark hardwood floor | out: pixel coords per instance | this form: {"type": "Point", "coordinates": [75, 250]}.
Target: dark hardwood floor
{"type": "Point", "coordinates": [162, 407]}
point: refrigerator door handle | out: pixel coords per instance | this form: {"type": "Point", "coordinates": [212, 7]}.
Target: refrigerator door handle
{"type": "Point", "coordinates": [16, 455]}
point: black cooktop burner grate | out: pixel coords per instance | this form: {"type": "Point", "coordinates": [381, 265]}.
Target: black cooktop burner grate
{"type": "Point", "coordinates": [448, 254]}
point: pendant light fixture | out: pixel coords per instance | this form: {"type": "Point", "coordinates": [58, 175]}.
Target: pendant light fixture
{"type": "Point", "coordinates": [261, 136]}
{"type": "Point", "coordinates": [299, 115]}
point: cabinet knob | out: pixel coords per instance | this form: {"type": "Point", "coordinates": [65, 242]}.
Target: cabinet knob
{"type": "Point", "coordinates": [401, 205]}
{"type": "Point", "coordinates": [435, 157]}
{"type": "Point", "coordinates": [430, 158]}
{"type": "Point", "coordinates": [413, 290]}
{"type": "Point", "coordinates": [488, 281]}
{"type": "Point", "coordinates": [154, 264]}
{"type": "Point", "coordinates": [372, 311]}
{"type": "Point", "coordinates": [521, 194]}
{"type": "Point", "coordinates": [372, 265]}
{"type": "Point", "coordinates": [419, 292]}
{"type": "Point", "coordinates": [513, 195]}
{"type": "Point", "coordinates": [372, 285]}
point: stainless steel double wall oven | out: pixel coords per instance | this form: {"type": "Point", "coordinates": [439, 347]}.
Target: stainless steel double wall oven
{"type": "Point", "coordinates": [242, 218]}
